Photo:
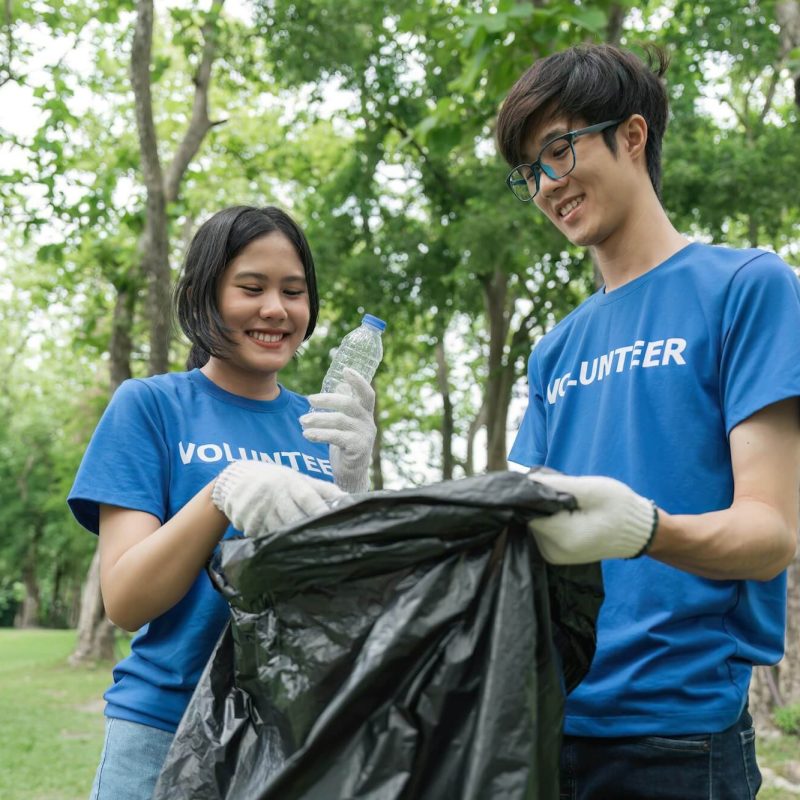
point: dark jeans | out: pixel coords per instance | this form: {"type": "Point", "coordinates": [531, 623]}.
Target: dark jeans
{"type": "Point", "coordinates": [718, 766]}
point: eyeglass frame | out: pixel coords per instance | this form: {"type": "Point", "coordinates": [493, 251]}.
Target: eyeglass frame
{"type": "Point", "coordinates": [537, 168]}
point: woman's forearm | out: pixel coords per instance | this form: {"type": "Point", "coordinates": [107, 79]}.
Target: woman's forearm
{"type": "Point", "coordinates": [146, 568]}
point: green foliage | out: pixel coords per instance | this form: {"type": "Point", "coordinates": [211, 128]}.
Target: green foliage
{"type": "Point", "coordinates": [731, 152]}
{"type": "Point", "coordinates": [50, 399]}
{"type": "Point", "coordinates": [787, 719]}
{"type": "Point", "coordinates": [372, 122]}
{"type": "Point", "coordinates": [11, 595]}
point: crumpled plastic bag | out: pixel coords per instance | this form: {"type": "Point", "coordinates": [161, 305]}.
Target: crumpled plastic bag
{"type": "Point", "coordinates": [408, 645]}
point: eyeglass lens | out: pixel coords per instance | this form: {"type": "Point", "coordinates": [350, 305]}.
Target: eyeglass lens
{"type": "Point", "coordinates": [556, 160]}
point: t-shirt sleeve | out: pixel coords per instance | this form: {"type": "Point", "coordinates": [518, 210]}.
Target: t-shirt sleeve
{"type": "Point", "coordinates": [760, 344]}
{"type": "Point", "coordinates": [530, 446]}
{"type": "Point", "coordinates": [126, 463]}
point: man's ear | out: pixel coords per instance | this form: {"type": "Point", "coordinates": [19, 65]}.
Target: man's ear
{"type": "Point", "coordinates": [634, 136]}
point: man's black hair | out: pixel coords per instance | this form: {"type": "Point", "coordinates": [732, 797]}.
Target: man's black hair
{"type": "Point", "coordinates": [590, 84]}
{"type": "Point", "coordinates": [217, 242]}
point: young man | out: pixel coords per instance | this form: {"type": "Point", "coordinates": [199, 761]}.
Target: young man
{"type": "Point", "coordinates": [670, 401]}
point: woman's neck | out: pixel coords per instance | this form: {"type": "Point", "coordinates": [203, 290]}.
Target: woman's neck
{"type": "Point", "coordinates": [252, 385]}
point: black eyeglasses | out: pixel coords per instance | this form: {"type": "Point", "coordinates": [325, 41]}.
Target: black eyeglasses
{"type": "Point", "coordinates": [556, 160]}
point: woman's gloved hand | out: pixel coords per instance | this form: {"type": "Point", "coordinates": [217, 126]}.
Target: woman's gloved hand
{"type": "Point", "coordinates": [611, 521]}
{"type": "Point", "coordinates": [347, 426]}
{"type": "Point", "coordinates": [258, 498]}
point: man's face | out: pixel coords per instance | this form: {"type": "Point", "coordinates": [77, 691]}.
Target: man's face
{"type": "Point", "coordinates": [593, 201]}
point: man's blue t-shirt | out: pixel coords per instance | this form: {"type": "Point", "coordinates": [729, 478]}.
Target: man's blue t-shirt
{"type": "Point", "coordinates": [644, 384]}
{"type": "Point", "coordinates": [159, 442]}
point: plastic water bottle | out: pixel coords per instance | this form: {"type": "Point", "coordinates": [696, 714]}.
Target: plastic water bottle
{"type": "Point", "coordinates": [361, 350]}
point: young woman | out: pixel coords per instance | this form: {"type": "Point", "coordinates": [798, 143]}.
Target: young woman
{"type": "Point", "coordinates": [181, 460]}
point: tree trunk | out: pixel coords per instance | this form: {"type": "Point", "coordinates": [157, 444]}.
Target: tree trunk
{"type": "Point", "coordinates": [57, 600]}
{"type": "Point", "coordinates": [616, 19]}
{"type": "Point", "coordinates": [120, 347]}
{"type": "Point", "coordinates": [499, 382]}
{"type": "Point", "coordinates": [477, 423]}
{"type": "Point", "coordinates": [377, 467]}
{"type": "Point", "coordinates": [28, 613]}
{"type": "Point", "coordinates": [74, 608]}
{"type": "Point", "coordinates": [153, 247]}
{"type": "Point", "coordinates": [95, 630]}
{"type": "Point", "coordinates": [779, 686]}
{"type": "Point", "coordinates": [443, 379]}
{"type": "Point", "coordinates": [164, 188]}
{"type": "Point", "coordinates": [155, 264]}
{"type": "Point", "coordinates": [789, 669]}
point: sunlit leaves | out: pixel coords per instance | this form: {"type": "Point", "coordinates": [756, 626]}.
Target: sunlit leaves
{"type": "Point", "coordinates": [731, 153]}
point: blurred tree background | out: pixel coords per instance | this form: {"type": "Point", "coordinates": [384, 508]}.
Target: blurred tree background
{"type": "Point", "coordinates": [124, 125]}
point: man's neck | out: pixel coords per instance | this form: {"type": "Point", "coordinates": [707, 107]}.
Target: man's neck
{"type": "Point", "coordinates": [646, 240]}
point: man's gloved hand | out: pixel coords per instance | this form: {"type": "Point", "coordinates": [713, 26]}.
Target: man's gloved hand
{"type": "Point", "coordinates": [611, 521]}
{"type": "Point", "coordinates": [258, 498]}
{"type": "Point", "coordinates": [347, 426]}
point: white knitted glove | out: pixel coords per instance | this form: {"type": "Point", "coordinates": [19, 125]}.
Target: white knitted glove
{"type": "Point", "coordinates": [348, 427]}
{"type": "Point", "coordinates": [258, 498]}
{"type": "Point", "coordinates": [611, 521]}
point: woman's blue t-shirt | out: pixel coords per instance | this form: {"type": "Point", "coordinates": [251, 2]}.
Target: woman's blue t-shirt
{"type": "Point", "coordinates": [159, 442]}
{"type": "Point", "coordinates": [644, 384]}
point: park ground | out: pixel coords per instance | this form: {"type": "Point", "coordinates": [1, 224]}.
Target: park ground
{"type": "Point", "coordinates": [51, 724]}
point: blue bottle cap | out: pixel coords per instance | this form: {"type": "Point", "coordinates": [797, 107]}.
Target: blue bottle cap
{"type": "Point", "coordinates": [374, 322]}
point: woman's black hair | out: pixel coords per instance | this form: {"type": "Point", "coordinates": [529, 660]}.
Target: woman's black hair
{"type": "Point", "coordinates": [217, 242]}
{"type": "Point", "coordinates": [590, 83]}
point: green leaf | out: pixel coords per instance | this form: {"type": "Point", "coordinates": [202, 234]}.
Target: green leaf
{"type": "Point", "coordinates": [526, 11]}
{"type": "Point", "coordinates": [591, 18]}
{"type": "Point", "coordinates": [493, 23]}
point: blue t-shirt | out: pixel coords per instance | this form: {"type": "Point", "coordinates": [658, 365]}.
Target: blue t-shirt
{"type": "Point", "coordinates": [644, 384]}
{"type": "Point", "coordinates": [158, 443]}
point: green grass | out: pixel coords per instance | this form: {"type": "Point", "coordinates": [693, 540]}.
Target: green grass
{"type": "Point", "coordinates": [51, 721]}
{"type": "Point", "coordinates": [774, 753]}
{"type": "Point", "coordinates": [51, 717]}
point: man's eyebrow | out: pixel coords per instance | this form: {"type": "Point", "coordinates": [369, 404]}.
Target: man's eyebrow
{"type": "Point", "coordinates": [554, 133]}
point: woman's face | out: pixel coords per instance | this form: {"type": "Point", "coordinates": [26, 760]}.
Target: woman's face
{"type": "Point", "coordinates": [263, 300]}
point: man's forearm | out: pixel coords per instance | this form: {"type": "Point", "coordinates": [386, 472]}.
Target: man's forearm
{"type": "Point", "coordinates": [750, 540]}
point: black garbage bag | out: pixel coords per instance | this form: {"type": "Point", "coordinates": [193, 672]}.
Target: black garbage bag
{"type": "Point", "coordinates": [410, 645]}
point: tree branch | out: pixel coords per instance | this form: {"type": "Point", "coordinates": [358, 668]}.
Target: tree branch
{"type": "Point", "coordinates": [443, 178]}
{"type": "Point", "coordinates": [478, 422]}
{"type": "Point", "coordinates": [736, 112]}
{"type": "Point", "coordinates": [773, 85]}
{"type": "Point", "coordinates": [199, 124]}
{"type": "Point", "coordinates": [522, 333]}
{"type": "Point", "coordinates": [746, 109]}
